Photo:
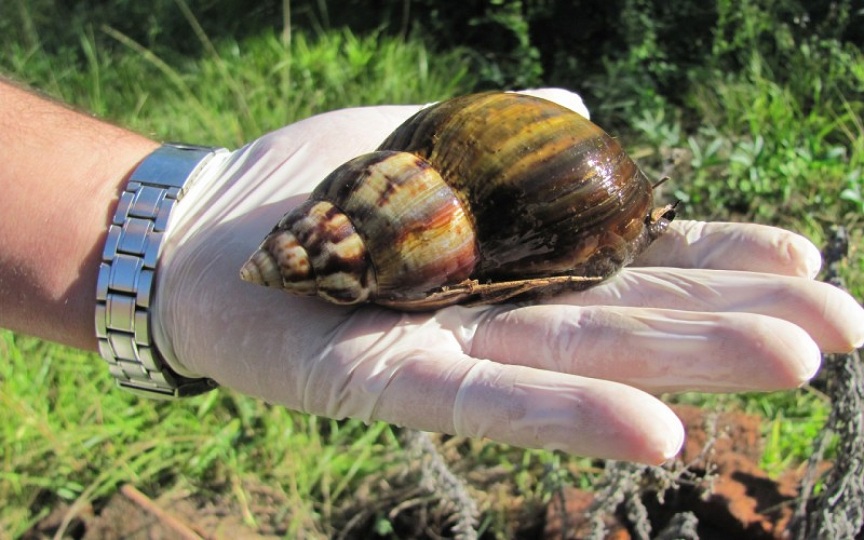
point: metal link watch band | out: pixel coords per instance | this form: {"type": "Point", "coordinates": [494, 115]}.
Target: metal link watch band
{"type": "Point", "coordinates": [126, 281]}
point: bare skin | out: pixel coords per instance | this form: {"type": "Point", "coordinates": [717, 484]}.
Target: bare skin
{"type": "Point", "coordinates": [61, 176]}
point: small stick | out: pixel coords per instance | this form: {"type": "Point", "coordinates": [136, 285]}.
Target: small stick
{"type": "Point", "coordinates": [146, 503]}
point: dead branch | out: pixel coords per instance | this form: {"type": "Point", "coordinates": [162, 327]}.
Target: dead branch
{"type": "Point", "coordinates": [169, 521]}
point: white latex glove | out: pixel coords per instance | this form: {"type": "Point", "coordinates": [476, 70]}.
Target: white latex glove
{"type": "Point", "coordinates": [733, 308]}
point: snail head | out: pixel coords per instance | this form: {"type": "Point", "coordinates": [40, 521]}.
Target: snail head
{"type": "Point", "coordinates": [659, 218]}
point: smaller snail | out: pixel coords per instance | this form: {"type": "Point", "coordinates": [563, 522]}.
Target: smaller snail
{"type": "Point", "coordinates": [477, 199]}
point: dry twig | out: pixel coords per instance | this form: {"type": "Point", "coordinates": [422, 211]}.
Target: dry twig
{"type": "Point", "coordinates": [451, 490]}
{"type": "Point", "coordinates": [184, 531]}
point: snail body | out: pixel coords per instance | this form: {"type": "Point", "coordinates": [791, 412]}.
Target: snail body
{"type": "Point", "coordinates": [474, 200]}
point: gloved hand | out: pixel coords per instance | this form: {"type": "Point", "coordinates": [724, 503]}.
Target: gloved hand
{"type": "Point", "coordinates": [716, 307]}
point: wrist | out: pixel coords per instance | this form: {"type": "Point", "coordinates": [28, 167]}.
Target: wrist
{"type": "Point", "coordinates": [63, 175]}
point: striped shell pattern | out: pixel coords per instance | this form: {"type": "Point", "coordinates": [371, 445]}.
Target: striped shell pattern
{"type": "Point", "coordinates": [478, 199]}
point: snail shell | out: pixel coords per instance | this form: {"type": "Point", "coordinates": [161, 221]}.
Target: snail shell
{"type": "Point", "coordinates": [474, 200]}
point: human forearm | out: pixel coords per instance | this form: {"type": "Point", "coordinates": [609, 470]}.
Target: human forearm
{"type": "Point", "coordinates": [61, 175]}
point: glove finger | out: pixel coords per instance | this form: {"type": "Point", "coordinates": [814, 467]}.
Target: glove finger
{"type": "Point", "coordinates": [411, 370]}
{"type": "Point", "coordinates": [434, 390]}
{"type": "Point", "coordinates": [733, 246]}
{"type": "Point", "coordinates": [565, 98]}
{"type": "Point", "coordinates": [833, 318]}
{"type": "Point", "coordinates": [657, 350]}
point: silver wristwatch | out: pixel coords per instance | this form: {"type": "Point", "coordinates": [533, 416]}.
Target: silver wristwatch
{"type": "Point", "coordinates": [126, 279]}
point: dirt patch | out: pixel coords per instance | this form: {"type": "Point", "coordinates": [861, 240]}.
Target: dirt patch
{"type": "Point", "coordinates": [129, 514]}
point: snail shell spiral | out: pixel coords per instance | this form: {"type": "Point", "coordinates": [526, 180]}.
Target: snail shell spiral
{"type": "Point", "coordinates": [477, 199]}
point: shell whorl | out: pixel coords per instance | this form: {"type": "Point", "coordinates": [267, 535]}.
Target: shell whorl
{"type": "Point", "coordinates": [374, 229]}
{"type": "Point", "coordinates": [314, 250]}
{"type": "Point", "coordinates": [550, 192]}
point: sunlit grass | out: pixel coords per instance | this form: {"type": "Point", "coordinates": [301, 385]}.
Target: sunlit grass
{"type": "Point", "coordinates": [787, 151]}
{"type": "Point", "coordinates": [242, 89]}
{"type": "Point", "coordinates": [68, 434]}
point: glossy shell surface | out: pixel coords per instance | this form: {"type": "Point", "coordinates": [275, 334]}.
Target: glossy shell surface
{"type": "Point", "coordinates": [477, 199]}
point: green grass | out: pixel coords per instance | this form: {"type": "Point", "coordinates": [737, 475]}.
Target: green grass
{"type": "Point", "coordinates": [778, 141]}
{"type": "Point", "coordinates": [69, 435]}
{"type": "Point", "coordinates": [754, 148]}
{"type": "Point", "coordinates": [239, 90]}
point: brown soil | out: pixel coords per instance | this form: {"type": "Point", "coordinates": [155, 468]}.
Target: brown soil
{"type": "Point", "coordinates": [734, 499]}
{"type": "Point", "coordinates": [129, 515]}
